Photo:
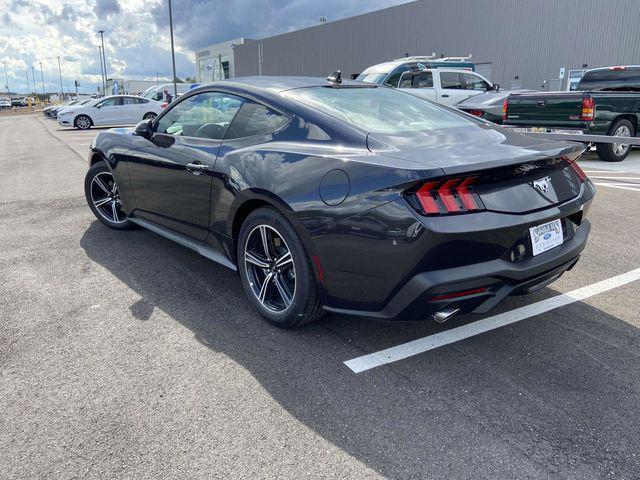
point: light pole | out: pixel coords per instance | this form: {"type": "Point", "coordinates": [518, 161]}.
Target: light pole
{"type": "Point", "coordinates": [104, 59]}
{"type": "Point", "coordinates": [28, 88]}
{"type": "Point", "coordinates": [33, 77]}
{"type": "Point", "coordinates": [42, 78]}
{"type": "Point", "coordinates": [61, 88]}
{"type": "Point", "coordinates": [173, 55]}
{"type": "Point", "coordinates": [104, 82]}
{"type": "Point", "coordinates": [6, 78]}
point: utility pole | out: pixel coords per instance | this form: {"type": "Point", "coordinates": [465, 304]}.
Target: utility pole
{"type": "Point", "coordinates": [104, 59]}
{"type": "Point", "coordinates": [28, 88]}
{"type": "Point", "coordinates": [60, 73]}
{"type": "Point", "coordinates": [33, 77]}
{"type": "Point", "coordinates": [104, 81]}
{"type": "Point", "coordinates": [42, 78]}
{"type": "Point", "coordinates": [173, 55]}
{"type": "Point", "coordinates": [6, 78]}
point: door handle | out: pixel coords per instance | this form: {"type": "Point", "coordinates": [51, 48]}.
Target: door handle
{"type": "Point", "coordinates": [445, 96]}
{"type": "Point", "coordinates": [197, 168]}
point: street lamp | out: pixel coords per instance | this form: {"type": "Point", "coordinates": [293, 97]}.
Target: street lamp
{"type": "Point", "coordinates": [6, 78]}
{"type": "Point", "coordinates": [61, 87]}
{"type": "Point", "coordinates": [42, 78]}
{"type": "Point", "coordinates": [28, 88]}
{"type": "Point", "coordinates": [104, 59]}
{"type": "Point", "coordinates": [173, 55]}
{"type": "Point", "coordinates": [104, 82]}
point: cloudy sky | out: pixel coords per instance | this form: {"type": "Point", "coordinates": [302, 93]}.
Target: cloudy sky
{"type": "Point", "coordinates": [137, 34]}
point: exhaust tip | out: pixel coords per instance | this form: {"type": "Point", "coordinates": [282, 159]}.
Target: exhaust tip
{"type": "Point", "coordinates": [445, 314]}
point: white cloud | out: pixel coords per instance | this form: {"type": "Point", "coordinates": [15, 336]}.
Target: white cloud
{"type": "Point", "coordinates": [137, 34]}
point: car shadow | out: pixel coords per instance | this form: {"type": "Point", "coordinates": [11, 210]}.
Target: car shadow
{"type": "Point", "coordinates": [553, 396]}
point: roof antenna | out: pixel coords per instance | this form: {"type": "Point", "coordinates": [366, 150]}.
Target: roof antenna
{"type": "Point", "coordinates": [335, 77]}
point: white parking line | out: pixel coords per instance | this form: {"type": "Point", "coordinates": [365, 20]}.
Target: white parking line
{"type": "Point", "coordinates": [621, 186]}
{"type": "Point", "coordinates": [421, 345]}
{"type": "Point", "coordinates": [614, 178]}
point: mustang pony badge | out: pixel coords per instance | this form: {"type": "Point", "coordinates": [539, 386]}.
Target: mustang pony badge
{"type": "Point", "coordinates": [542, 185]}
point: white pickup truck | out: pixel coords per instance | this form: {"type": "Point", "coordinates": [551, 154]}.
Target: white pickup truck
{"type": "Point", "coordinates": [446, 85]}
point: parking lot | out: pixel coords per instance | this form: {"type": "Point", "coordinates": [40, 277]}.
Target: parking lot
{"type": "Point", "coordinates": [124, 355]}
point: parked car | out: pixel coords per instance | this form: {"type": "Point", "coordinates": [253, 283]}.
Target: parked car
{"type": "Point", "coordinates": [112, 110]}
{"type": "Point", "coordinates": [607, 102]}
{"type": "Point", "coordinates": [5, 103]}
{"type": "Point", "coordinates": [487, 105]}
{"type": "Point", "coordinates": [361, 200]}
{"type": "Point", "coordinates": [75, 103]}
{"type": "Point", "coordinates": [52, 110]}
{"type": "Point", "coordinates": [444, 84]}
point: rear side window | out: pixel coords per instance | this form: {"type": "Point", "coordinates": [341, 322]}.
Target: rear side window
{"type": "Point", "coordinates": [618, 80]}
{"type": "Point", "coordinates": [451, 81]}
{"type": "Point", "coordinates": [255, 119]}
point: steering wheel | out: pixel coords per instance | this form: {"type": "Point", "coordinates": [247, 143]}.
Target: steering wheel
{"type": "Point", "coordinates": [210, 130]}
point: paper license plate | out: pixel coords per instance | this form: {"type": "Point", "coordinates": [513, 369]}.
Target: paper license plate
{"type": "Point", "coordinates": [546, 236]}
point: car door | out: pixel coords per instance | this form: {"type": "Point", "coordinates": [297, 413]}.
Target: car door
{"type": "Point", "coordinates": [131, 110]}
{"type": "Point", "coordinates": [451, 88]}
{"type": "Point", "coordinates": [419, 84]}
{"type": "Point", "coordinates": [170, 173]}
{"type": "Point", "coordinates": [107, 111]}
{"type": "Point", "coordinates": [474, 84]}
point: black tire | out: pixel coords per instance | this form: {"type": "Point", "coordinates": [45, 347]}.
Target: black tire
{"type": "Point", "coordinates": [110, 212]}
{"type": "Point", "coordinates": [82, 122]}
{"type": "Point", "coordinates": [610, 152]}
{"type": "Point", "coordinates": [304, 306]}
{"type": "Point", "coordinates": [149, 116]}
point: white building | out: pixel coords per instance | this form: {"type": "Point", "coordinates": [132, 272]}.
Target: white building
{"type": "Point", "coordinates": [216, 62]}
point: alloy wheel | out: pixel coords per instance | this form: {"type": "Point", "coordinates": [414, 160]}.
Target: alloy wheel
{"type": "Point", "coordinates": [270, 268]}
{"type": "Point", "coordinates": [83, 123]}
{"type": "Point", "coordinates": [106, 197]}
{"type": "Point", "coordinates": [621, 148]}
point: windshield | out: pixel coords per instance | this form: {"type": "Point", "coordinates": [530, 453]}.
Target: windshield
{"type": "Point", "coordinates": [376, 78]}
{"type": "Point", "coordinates": [380, 109]}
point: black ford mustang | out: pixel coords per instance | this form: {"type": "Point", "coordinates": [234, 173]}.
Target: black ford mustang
{"type": "Point", "coordinates": [341, 196]}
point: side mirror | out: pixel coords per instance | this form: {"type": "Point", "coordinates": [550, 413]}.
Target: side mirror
{"type": "Point", "coordinates": [496, 87]}
{"type": "Point", "coordinates": [143, 129]}
{"type": "Point", "coordinates": [99, 106]}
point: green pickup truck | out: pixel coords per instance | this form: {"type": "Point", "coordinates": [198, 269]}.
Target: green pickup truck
{"type": "Point", "coordinates": [607, 102]}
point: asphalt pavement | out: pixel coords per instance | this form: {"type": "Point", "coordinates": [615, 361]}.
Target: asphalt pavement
{"type": "Point", "coordinates": [124, 355]}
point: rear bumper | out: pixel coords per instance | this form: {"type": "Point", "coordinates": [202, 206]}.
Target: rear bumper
{"type": "Point", "coordinates": [501, 278]}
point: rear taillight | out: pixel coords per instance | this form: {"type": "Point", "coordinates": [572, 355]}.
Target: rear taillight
{"type": "Point", "coordinates": [452, 195]}
{"type": "Point", "coordinates": [588, 109]}
{"type": "Point", "coordinates": [164, 105]}
{"type": "Point", "coordinates": [505, 105]}
{"type": "Point", "coordinates": [576, 168]}
{"type": "Point", "coordinates": [477, 113]}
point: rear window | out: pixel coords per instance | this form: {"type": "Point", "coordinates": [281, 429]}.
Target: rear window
{"type": "Point", "coordinates": [380, 109]}
{"type": "Point", "coordinates": [621, 80]}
